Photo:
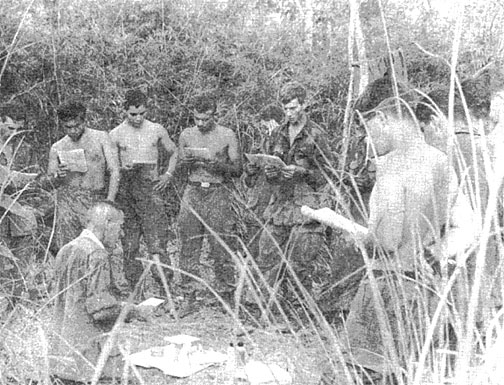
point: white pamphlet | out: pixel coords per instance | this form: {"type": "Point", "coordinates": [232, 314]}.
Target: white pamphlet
{"type": "Point", "coordinates": [199, 152]}
{"type": "Point", "coordinates": [264, 160]}
{"type": "Point", "coordinates": [74, 159]}
{"type": "Point", "coordinates": [151, 302]}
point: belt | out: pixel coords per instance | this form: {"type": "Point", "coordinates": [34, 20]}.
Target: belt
{"type": "Point", "coordinates": [204, 184]}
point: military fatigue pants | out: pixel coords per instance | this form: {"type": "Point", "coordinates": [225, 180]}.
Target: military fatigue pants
{"type": "Point", "coordinates": [144, 215]}
{"type": "Point", "coordinates": [214, 205]}
{"type": "Point", "coordinates": [304, 248]}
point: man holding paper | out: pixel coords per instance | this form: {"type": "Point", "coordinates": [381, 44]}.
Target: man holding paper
{"type": "Point", "coordinates": [301, 178]}
{"type": "Point", "coordinates": [415, 193]}
{"type": "Point", "coordinates": [137, 139]}
{"type": "Point", "coordinates": [78, 164]}
{"type": "Point", "coordinates": [210, 155]}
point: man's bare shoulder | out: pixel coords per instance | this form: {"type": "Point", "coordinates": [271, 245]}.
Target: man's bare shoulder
{"type": "Point", "coordinates": [98, 135]}
{"type": "Point", "coordinates": [225, 132]}
{"type": "Point", "coordinates": [117, 130]}
{"type": "Point", "coordinates": [61, 144]}
{"type": "Point", "coordinates": [189, 132]}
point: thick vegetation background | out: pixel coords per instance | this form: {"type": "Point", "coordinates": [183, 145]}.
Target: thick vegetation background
{"type": "Point", "coordinates": [54, 50]}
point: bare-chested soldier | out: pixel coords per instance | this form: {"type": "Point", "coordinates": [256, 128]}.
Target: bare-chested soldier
{"type": "Point", "coordinates": [83, 183]}
{"type": "Point", "coordinates": [414, 194]}
{"type": "Point", "coordinates": [136, 140]}
{"type": "Point", "coordinates": [210, 153]}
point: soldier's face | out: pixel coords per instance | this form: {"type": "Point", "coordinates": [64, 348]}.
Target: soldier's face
{"type": "Point", "coordinates": [74, 129]}
{"type": "Point", "coordinates": [204, 120]}
{"type": "Point", "coordinates": [293, 111]}
{"type": "Point", "coordinates": [113, 230]}
{"type": "Point", "coordinates": [136, 115]}
{"type": "Point", "coordinates": [379, 136]}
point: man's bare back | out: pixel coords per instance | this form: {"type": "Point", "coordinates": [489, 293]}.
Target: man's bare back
{"type": "Point", "coordinates": [409, 200]}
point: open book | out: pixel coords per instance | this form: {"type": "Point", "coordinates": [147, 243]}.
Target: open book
{"type": "Point", "coordinates": [264, 160]}
{"type": "Point", "coordinates": [74, 159]}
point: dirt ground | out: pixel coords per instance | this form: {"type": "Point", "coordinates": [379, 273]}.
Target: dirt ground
{"type": "Point", "coordinates": [301, 353]}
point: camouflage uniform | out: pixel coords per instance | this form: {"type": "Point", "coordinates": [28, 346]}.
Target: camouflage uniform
{"type": "Point", "coordinates": [144, 214]}
{"type": "Point", "coordinates": [214, 206]}
{"type": "Point", "coordinates": [303, 242]}
{"type": "Point", "coordinates": [87, 305]}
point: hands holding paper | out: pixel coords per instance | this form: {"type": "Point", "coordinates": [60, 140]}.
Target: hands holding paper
{"type": "Point", "coordinates": [62, 170]}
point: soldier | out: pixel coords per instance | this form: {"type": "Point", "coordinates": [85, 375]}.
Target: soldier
{"type": "Point", "coordinates": [259, 190]}
{"type": "Point", "coordinates": [136, 139]}
{"type": "Point", "coordinates": [415, 192]}
{"type": "Point", "coordinates": [87, 299]}
{"type": "Point", "coordinates": [82, 183]}
{"type": "Point", "coordinates": [210, 155]}
{"type": "Point", "coordinates": [303, 146]}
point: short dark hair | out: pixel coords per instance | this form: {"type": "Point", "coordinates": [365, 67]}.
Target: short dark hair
{"type": "Point", "coordinates": [477, 94]}
{"type": "Point", "coordinates": [291, 91]}
{"type": "Point", "coordinates": [71, 110]}
{"type": "Point", "coordinates": [134, 98]}
{"type": "Point", "coordinates": [272, 112]}
{"type": "Point", "coordinates": [379, 96]}
{"type": "Point", "coordinates": [204, 103]}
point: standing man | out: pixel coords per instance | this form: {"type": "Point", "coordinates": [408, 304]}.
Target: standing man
{"type": "Point", "coordinates": [82, 182]}
{"type": "Point", "coordinates": [303, 147]}
{"type": "Point", "coordinates": [259, 190]}
{"type": "Point", "coordinates": [416, 211]}
{"type": "Point", "coordinates": [136, 139]}
{"type": "Point", "coordinates": [210, 155]}
{"type": "Point", "coordinates": [87, 301]}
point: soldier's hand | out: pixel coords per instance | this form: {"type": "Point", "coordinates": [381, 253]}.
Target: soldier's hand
{"type": "Point", "coordinates": [164, 180]}
{"type": "Point", "coordinates": [271, 171]}
{"type": "Point", "coordinates": [62, 171]}
{"type": "Point", "coordinates": [252, 168]}
{"type": "Point", "coordinates": [188, 159]}
{"type": "Point", "coordinates": [291, 170]}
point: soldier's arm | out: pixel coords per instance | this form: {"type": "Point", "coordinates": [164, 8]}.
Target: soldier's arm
{"type": "Point", "coordinates": [171, 148]}
{"type": "Point", "coordinates": [463, 228]}
{"type": "Point", "coordinates": [183, 162]}
{"type": "Point", "coordinates": [101, 305]}
{"type": "Point", "coordinates": [233, 167]}
{"type": "Point", "coordinates": [322, 163]}
{"type": "Point", "coordinates": [51, 179]}
{"type": "Point", "coordinates": [112, 158]}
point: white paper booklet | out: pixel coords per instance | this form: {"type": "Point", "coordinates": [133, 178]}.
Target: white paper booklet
{"type": "Point", "coordinates": [264, 160]}
{"type": "Point", "coordinates": [74, 159]}
{"type": "Point", "coordinates": [331, 218]}
{"type": "Point", "coordinates": [200, 152]}
{"type": "Point", "coordinates": [151, 302]}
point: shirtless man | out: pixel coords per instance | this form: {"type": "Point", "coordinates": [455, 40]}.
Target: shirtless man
{"type": "Point", "coordinates": [78, 190]}
{"type": "Point", "coordinates": [210, 155]}
{"type": "Point", "coordinates": [414, 193]}
{"type": "Point", "coordinates": [136, 139]}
